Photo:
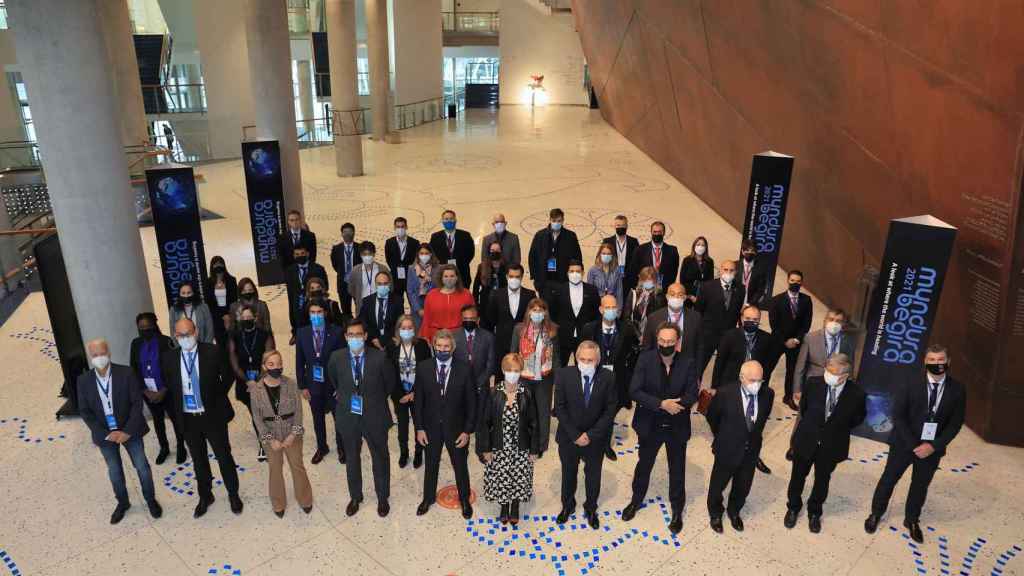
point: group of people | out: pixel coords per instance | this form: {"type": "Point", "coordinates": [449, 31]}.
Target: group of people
{"type": "Point", "coordinates": [490, 365]}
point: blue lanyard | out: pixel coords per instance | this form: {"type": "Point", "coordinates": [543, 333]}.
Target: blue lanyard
{"type": "Point", "coordinates": [190, 367]}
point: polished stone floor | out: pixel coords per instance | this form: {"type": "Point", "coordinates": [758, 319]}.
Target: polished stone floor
{"type": "Point", "coordinates": [520, 162]}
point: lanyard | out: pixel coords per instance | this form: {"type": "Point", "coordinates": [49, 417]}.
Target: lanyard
{"type": "Point", "coordinates": [190, 367]}
{"type": "Point", "coordinates": [249, 346]}
{"type": "Point", "coordinates": [402, 245]}
{"type": "Point", "coordinates": [318, 341]}
{"type": "Point", "coordinates": [357, 370]}
{"type": "Point", "coordinates": [104, 385]}
{"type": "Point", "coordinates": [369, 275]}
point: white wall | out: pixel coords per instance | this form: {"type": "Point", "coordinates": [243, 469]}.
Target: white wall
{"type": "Point", "coordinates": [534, 43]}
{"type": "Point", "coordinates": [417, 50]}
{"type": "Point", "coordinates": [220, 29]}
{"type": "Point", "coordinates": [471, 52]}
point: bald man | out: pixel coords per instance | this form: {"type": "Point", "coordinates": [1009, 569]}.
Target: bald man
{"type": "Point", "coordinates": [688, 320]}
{"type": "Point", "coordinates": [110, 404]}
{"type": "Point", "coordinates": [198, 379]}
{"type": "Point", "coordinates": [737, 416]}
{"type": "Point", "coordinates": [510, 253]}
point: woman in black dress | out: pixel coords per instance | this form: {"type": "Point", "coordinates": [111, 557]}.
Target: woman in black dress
{"type": "Point", "coordinates": [246, 346]}
{"type": "Point", "coordinates": [697, 267]}
{"type": "Point", "coordinates": [405, 352]}
{"type": "Point", "coordinates": [221, 291]}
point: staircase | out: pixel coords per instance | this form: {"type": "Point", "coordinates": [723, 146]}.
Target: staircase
{"type": "Point", "coordinates": [153, 52]}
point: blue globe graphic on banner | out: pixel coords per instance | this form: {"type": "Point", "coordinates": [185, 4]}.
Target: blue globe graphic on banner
{"type": "Point", "coordinates": [173, 195]}
{"type": "Point", "coordinates": [262, 163]}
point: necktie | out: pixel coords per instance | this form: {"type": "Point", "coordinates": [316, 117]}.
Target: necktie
{"type": "Point", "coordinates": [451, 245]}
{"type": "Point", "coordinates": [751, 398]}
{"type": "Point", "coordinates": [830, 346]}
{"type": "Point", "coordinates": [442, 377]}
{"type": "Point", "coordinates": [295, 238]}
{"type": "Point", "coordinates": [382, 313]}
{"type": "Point", "coordinates": [727, 289]}
{"type": "Point", "coordinates": [750, 346]}
{"type": "Point", "coordinates": [793, 305]}
{"type": "Point", "coordinates": [933, 394]}
{"type": "Point", "coordinates": [657, 257]}
{"type": "Point", "coordinates": [469, 348]}
{"type": "Point", "coordinates": [587, 389]}
{"type": "Point", "coordinates": [831, 402]}
{"type": "Point", "coordinates": [348, 261]}
{"type": "Point", "coordinates": [358, 368]}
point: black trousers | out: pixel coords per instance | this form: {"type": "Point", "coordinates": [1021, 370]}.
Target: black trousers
{"type": "Point", "coordinates": [791, 355]}
{"type": "Point", "coordinates": [159, 411]}
{"type": "Point", "coordinates": [403, 412]}
{"type": "Point", "coordinates": [741, 476]}
{"type": "Point", "coordinates": [542, 397]}
{"type": "Point", "coordinates": [379, 459]}
{"type": "Point", "coordinates": [710, 347]}
{"type": "Point", "coordinates": [823, 468]}
{"type": "Point", "coordinates": [201, 430]}
{"type": "Point", "coordinates": [322, 403]}
{"type": "Point", "coordinates": [344, 298]}
{"type": "Point", "coordinates": [460, 463]}
{"type": "Point", "coordinates": [675, 453]}
{"type": "Point", "coordinates": [592, 456]}
{"type": "Point", "coordinates": [921, 477]}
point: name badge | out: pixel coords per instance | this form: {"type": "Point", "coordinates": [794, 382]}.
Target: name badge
{"type": "Point", "coordinates": [608, 367]}
{"type": "Point", "coordinates": [660, 278]}
{"type": "Point", "coordinates": [252, 374]}
{"type": "Point", "coordinates": [318, 373]}
{"type": "Point", "coordinates": [928, 433]}
{"type": "Point", "coordinates": [407, 385]}
{"type": "Point", "coordinates": [356, 405]}
{"type": "Point", "coordinates": [190, 403]}
{"type": "Point", "coordinates": [622, 270]}
{"type": "Point", "coordinates": [150, 383]}
{"type": "Point", "coordinates": [452, 261]}
{"type": "Point", "coordinates": [111, 422]}
{"type": "Point", "coordinates": [401, 273]}
{"type": "Point", "coordinates": [552, 265]}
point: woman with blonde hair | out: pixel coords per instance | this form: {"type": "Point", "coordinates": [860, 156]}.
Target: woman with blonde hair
{"type": "Point", "coordinates": [604, 274]}
{"type": "Point", "coordinates": [536, 340]}
{"type": "Point", "coordinates": [643, 299]}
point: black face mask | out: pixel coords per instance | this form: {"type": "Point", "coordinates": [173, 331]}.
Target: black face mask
{"type": "Point", "coordinates": [469, 325]}
{"type": "Point", "coordinates": [275, 372]}
{"type": "Point", "coordinates": [248, 325]}
{"type": "Point", "coordinates": [794, 287]}
{"type": "Point", "coordinates": [495, 256]}
{"type": "Point", "coordinates": [183, 300]}
{"type": "Point", "coordinates": [621, 231]}
{"type": "Point", "coordinates": [749, 257]}
{"type": "Point", "coordinates": [300, 260]}
{"type": "Point", "coordinates": [248, 296]}
{"type": "Point", "coordinates": [316, 294]}
{"type": "Point", "coordinates": [657, 238]}
{"type": "Point", "coordinates": [148, 333]}
{"type": "Point", "coordinates": [666, 351]}
{"type": "Point", "coordinates": [218, 269]}
{"type": "Point", "coordinates": [347, 237]}
{"type": "Point", "coordinates": [936, 369]}
{"type": "Point", "coordinates": [750, 326]}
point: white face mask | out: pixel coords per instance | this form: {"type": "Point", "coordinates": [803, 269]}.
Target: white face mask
{"type": "Point", "coordinates": [499, 227]}
{"type": "Point", "coordinates": [676, 303]}
{"type": "Point", "coordinates": [512, 377]}
{"type": "Point", "coordinates": [575, 277]}
{"type": "Point", "coordinates": [367, 259]}
{"type": "Point", "coordinates": [728, 277]}
{"type": "Point", "coordinates": [832, 380]}
{"type": "Point", "coordinates": [448, 283]}
{"type": "Point", "coordinates": [833, 328]}
{"type": "Point", "coordinates": [424, 259]}
{"type": "Point", "coordinates": [648, 285]}
{"type": "Point", "coordinates": [700, 249]}
{"type": "Point", "coordinates": [752, 387]}
{"type": "Point", "coordinates": [100, 362]}
{"type": "Point", "coordinates": [401, 232]}
{"type": "Point", "coordinates": [606, 258]}
{"type": "Point", "coordinates": [537, 317]}
{"type": "Point", "coordinates": [187, 343]}
{"type": "Point", "coordinates": [587, 370]}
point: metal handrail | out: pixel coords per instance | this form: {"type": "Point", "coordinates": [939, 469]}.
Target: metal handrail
{"type": "Point", "coordinates": [356, 125]}
{"type": "Point", "coordinates": [471, 22]}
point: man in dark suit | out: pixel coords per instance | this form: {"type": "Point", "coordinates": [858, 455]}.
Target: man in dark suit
{"type": "Point", "coordinates": [295, 277]}
{"type": "Point", "coordinates": [453, 246]}
{"type": "Point", "coordinates": [755, 274]}
{"type": "Point", "coordinates": [445, 416]}
{"type": "Point", "coordinates": [380, 312]}
{"type": "Point", "coordinates": [198, 378]}
{"type": "Point", "coordinates": [737, 415]}
{"type": "Point", "coordinates": [508, 308]}
{"type": "Point", "coordinates": [790, 318]}
{"type": "Point", "coordinates": [619, 345]}
{"type": "Point", "coordinates": [926, 415]}
{"type": "Point", "coordinates": [400, 252]}
{"type": "Point", "coordinates": [688, 321]}
{"type": "Point", "coordinates": [574, 304]}
{"type": "Point", "coordinates": [665, 386]}
{"type": "Point", "coordinates": [110, 404]}
{"type": "Point", "coordinates": [719, 304]}
{"type": "Point", "coordinates": [474, 346]}
{"type": "Point", "coordinates": [664, 258]}
{"type": "Point", "coordinates": [830, 408]}
{"type": "Point", "coordinates": [585, 404]}
{"type": "Point", "coordinates": [314, 345]}
{"type": "Point", "coordinates": [551, 251]}
{"type": "Point", "coordinates": [344, 256]}
{"type": "Point", "coordinates": [295, 235]}
{"type": "Point", "coordinates": [509, 241]}
{"type": "Point", "coordinates": [625, 249]}
{"type": "Point", "coordinates": [363, 379]}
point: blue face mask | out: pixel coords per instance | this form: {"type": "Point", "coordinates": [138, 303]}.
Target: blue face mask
{"type": "Point", "coordinates": [355, 343]}
{"type": "Point", "coordinates": [610, 314]}
{"type": "Point", "coordinates": [443, 356]}
{"type": "Point", "coordinates": [449, 225]}
{"type": "Point", "coordinates": [406, 334]}
{"type": "Point", "coordinates": [316, 320]}
{"type": "Point", "coordinates": [383, 291]}
{"type": "Point", "coordinates": [556, 226]}
{"type": "Point", "coordinates": [537, 317]}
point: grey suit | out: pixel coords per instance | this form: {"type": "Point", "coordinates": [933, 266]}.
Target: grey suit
{"type": "Point", "coordinates": [510, 253]}
{"type": "Point", "coordinates": [811, 360]}
{"type": "Point", "coordinates": [376, 385]}
{"type": "Point", "coordinates": [693, 342]}
{"type": "Point", "coordinates": [200, 316]}
{"type": "Point", "coordinates": [355, 282]}
{"type": "Point", "coordinates": [483, 358]}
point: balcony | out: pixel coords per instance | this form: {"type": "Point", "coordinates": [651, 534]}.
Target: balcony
{"type": "Point", "coordinates": [470, 28]}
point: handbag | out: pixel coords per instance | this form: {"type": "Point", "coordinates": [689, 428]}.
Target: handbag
{"type": "Point", "coordinates": [704, 400]}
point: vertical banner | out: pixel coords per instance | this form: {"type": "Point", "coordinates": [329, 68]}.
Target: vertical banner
{"type": "Point", "coordinates": [766, 207]}
{"type": "Point", "coordinates": [262, 162]}
{"type": "Point", "coordinates": [175, 206]}
{"type": "Point", "coordinates": [901, 313]}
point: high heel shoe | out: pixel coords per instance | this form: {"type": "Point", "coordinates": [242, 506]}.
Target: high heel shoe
{"type": "Point", "coordinates": [514, 513]}
{"type": "Point", "coordinates": [504, 513]}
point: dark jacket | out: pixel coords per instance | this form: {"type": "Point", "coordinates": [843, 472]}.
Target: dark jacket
{"type": "Point", "coordinates": [910, 412]}
{"type": "Point", "coordinates": [464, 250]}
{"type": "Point", "coordinates": [305, 353]}
{"type": "Point", "coordinates": [338, 264]}
{"type": "Point", "coordinates": [166, 347]}
{"type": "Point", "coordinates": [395, 262]}
{"type": "Point", "coordinates": [628, 280]}
{"type": "Point", "coordinates": [484, 359]}
{"type": "Point", "coordinates": [733, 440]}
{"type": "Point", "coordinates": [307, 239]}
{"type": "Point", "coordinates": [376, 387]}
{"type": "Point", "coordinates": [489, 437]}
{"type": "Point", "coordinates": [562, 313]}
{"type": "Point", "coordinates": [648, 389]}
{"type": "Point", "coordinates": [503, 320]}
{"type": "Point", "coordinates": [576, 416]}
{"type": "Point", "coordinates": [716, 317]}
{"type": "Point", "coordinates": [784, 323]}
{"type": "Point", "coordinates": [758, 289]}
{"type": "Point", "coordinates": [368, 313]}
{"type": "Point", "coordinates": [732, 353]}
{"type": "Point", "coordinates": [297, 290]}
{"type": "Point", "coordinates": [126, 396]}
{"type": "Point", "coordinates": [444, 418]}
{"type": "Point", "coordinates": [832, 436]}
{"type": "Point", "coordinates": [693, 337]}
{"type": "Point", "coordinates": [421, 349]}
{"type": "Point", "coordinates": [543, 246]}
{"type": "Point", "coordinates": [693, 273]}
{"type": "Point", "coordinates": [215, 380]}
{"type": "Point", "coordinates": [622, 355]}
{"type": "Point", "coordinates": [669, 269]}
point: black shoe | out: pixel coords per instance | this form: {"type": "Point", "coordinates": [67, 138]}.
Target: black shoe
{"type": "Point", "coordinates": [181, 455]}
{"type": "Point", "coordinates": [504, 513]}
{"type": "Point", "coordinates": [814, 523]}
{"type": "Point", "coordinates": [318, 456]}
{"type": "Point", "coordinates": [871, 524]}
{"type": "Point", "coordinates": [763, 467]}
{"type": "Point", "coordinates": [789, 455]}
{"type": "Point", "coordinates": [513, 513]}
{"type": "Point", "coordinates": [204, 503]}
{"type": "Point", "coordinates": [676, 525]}
{"type": "Point", "coordinates": [716, 524]}
{"type": "Point", "coordinates": [737, 522]}
{"type": "Point", "coordinates": [161, 457]}
{"type": "Point", "coordinates": [341, 456]}
{"type": "Point", "coordinates": [261, 456]}
{"type": "Point", "coordinates": [236, 503]}
{"type": "Point", "coordinates": [788, 401]}
{"type": "Point", "coordinates": [279, 514]}
{"type": "Point", "coordinates": [563, 516]}
{"type": "Point", "coordinates": [592, 520]}
{"type": "Point", "coordinates": [155, 509]}
{"type": "Point", "coordinates": [467, 510]}
{"type": "Point", "coordinates": [403, 459]}
{"type": "Point", "coordinates": [610, 454]}
{"type": "Point", "coordinates": [119, 512]}
{"type": "Point", "coordinates": [307, 509]}
{"type": "Point", "coordinates": [915, 530]}
{"type": "Point", "coordinates": [352, 508]}
{"type": "Point", "coordinates": [417, 458]}
{"type": "Point", "coordinates": [423, 508]}
{"type": "Point", "coordinates": [790, 520]}
{"type": "Point", "coordinates": [629, 511]}
{"type": "Point", "coordinates": [383, 508]}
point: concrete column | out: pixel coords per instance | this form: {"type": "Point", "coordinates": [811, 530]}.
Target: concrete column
{"type": "Point", "coordinates": [380, 75]}
{"type": "Point", "coordinates": [270, 74]}
{"type": "Point", "coordinates": [305, 79]}
{"type": "Point", "coordinates": [341, 42]}
{"type": "Point", "coordinates": [65, 67]}
{"type": "Point", "coordinates": [117, 34]}
{"type": "Point", "coordinates": [223, 51]}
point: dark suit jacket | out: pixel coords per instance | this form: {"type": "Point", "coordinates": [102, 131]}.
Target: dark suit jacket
{"type": "Point", "coordinates": [393, 257]}
{"type": "Point", "coordinates": [421, 349]}
{"type": "Point", "coordinates": [831, 436]}
{"type": "Point", "coordinates": [126, 395]}
{"type": "Point", "coordinates": [490, 428]}
{"type": "Point", "coordinates": [296, 289]}
{"type": "Point", "coordinates": [338, 263]}
{"type": "Point", "coordinates": [166, 348]}
{"type": "Point", "coordinates": [693, 274]}
{"type": "Point", "coordinates": [729, 424]}
{"type": "Point", "coordinates": [562, 314]}
{"type": "Point", "coordinates": [484, 358]}
{"type": "Point", "coordinates": [716, 317]}
{"type": "Point", "coordinates": [305, 353]}
{"type": "Point", "coordinates": [575, 416]}
{"type": "Point", "coordinates": [693, 341]}
{"type": "Point", "coordinates": [758, 288]}
{"type": "Point", "coordinates": [368, 313]}
{"type": "Point", "coordinates": [215, 380]}
{"type": "Point", "coordinates": [377, 385]}
{"type": "Point", "coordinates": [307, 239]}
{"type": "Point", "coordinates": [910, 412]}
{"type": "Point", "coordinates": [566, 249]}
{"type": "Point", "coordinates": [464, 251]}
{"type": "Point", "coordinates": [669, 268]}
{"type": "Point", "coordinates": [647, 389]}
{"type": "Point", "coordinates": [784, 324]}
{"type": "Point", "coordinates": [628, 280]}
{"type": "Point", "coordinates": [623, 354]}
{"type": "Point", "coordinates": [732, 353]}
{"type": "Point", "coordinates": [654, 303]}
{"type": "Point", "coordinates": [504, 321]}
{"type": "Point", "coordinates": [443, 418]}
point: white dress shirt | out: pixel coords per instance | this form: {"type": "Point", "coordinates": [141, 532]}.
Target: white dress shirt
{"type": "Point", "coordinates": [447, 374]}
{"type": "Point", "coordinates": [838, 393]}
{"type": "Point", "coordinates": [620, 250]}
{"type": "Point", "coordinates": [186, 381]}
{"type": "Point", "coordinates": [744, 400]}
{"type": "Point", "coordinates": [513, 302]}
{"type": "Point", "coordinates": [941, 381]}
{"type": "Point", "coordinates": [576, 297]}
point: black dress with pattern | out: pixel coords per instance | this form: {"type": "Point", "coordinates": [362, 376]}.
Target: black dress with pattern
{"type": "Point", "coordinates": [509, 475]}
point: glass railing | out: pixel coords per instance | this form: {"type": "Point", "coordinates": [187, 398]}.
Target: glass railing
{"type": "Point", "coordinates": [298, 17]}
{"type": "Point", "coordinates": [18, 154]}
{"type": "Point", "coordinates": [180, 98]}
{"type": "Point", "coordinates": [470, 22]}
